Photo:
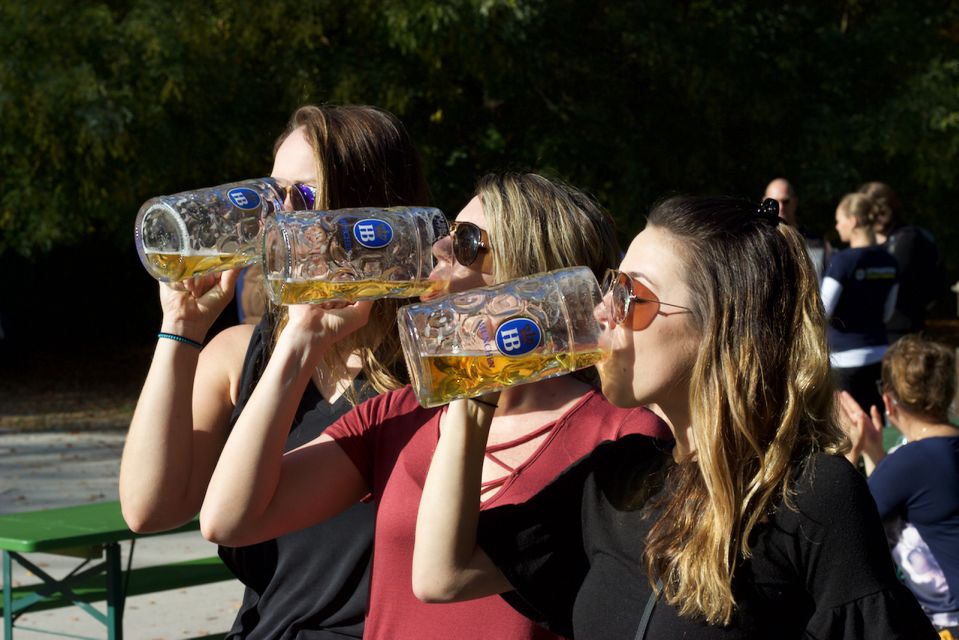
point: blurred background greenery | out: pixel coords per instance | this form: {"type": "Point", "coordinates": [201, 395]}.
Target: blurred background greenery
{"type": "Point", "coordinates": [106, 104]}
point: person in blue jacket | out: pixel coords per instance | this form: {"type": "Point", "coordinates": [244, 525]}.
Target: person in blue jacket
{"type": "Point", "coordinates": [916, 486]}
{"type": "Point", "coordinates": [859, 293]}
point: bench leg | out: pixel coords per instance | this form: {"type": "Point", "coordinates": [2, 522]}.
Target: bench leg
{"type": "Point", "coordinates": [7, 596]}
{"type": "Point", "coordinates": [115, 595]}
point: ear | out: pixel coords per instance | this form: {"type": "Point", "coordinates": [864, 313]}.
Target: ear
{"type": "Point", "coordinates": [892, 409]}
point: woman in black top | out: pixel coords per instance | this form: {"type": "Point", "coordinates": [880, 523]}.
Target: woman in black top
{"type": "Point", "coordinates": [749, 526]}
{"type": "Point", "coordinates": [312, 583]}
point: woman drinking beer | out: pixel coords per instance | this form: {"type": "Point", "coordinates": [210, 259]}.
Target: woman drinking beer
{"type": "Point", "coordinates": [517, 225]}
{"type": "Point", "coordinates": [750, 526]}
{"type": "Point", "coordinates": [313, 581]}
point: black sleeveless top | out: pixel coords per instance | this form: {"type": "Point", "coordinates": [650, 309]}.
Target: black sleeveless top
{"type": "Point", "coordinates": [313, 583]}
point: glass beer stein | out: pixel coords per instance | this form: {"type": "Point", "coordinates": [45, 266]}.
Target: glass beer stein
{"type": "Point", "coordinates": [486, 339]}
{"type": "Point", "coordinates": [352, 254]}
{"type": "Point", "coordinates": [198, 232]}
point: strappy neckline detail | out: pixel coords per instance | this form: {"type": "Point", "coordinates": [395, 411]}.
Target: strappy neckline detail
{"type": "Point", "coordinates": [503, 446]}
{"type": "Point", "coordinates": [491, 490]}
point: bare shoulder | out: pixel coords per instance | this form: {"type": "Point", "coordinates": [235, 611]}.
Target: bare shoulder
{"type": "Point", "coordinates": [229, 341]}
{"type": "Point", "coordinates": [221, 362]}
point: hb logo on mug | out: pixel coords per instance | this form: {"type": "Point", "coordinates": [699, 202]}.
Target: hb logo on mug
{"type": "Point", "coordinates": [244, 198]}
{"type": "Point", "coordinates": [518, 336]}
{"type": "Point", "coordinates": [372, 233]}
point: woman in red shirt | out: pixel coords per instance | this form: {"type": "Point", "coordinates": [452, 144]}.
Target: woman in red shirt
{"type": "Point", "coordinates": [516, 225]}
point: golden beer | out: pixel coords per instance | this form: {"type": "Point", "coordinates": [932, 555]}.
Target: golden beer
{"type": "Point", "coordinates": [468, 375]}
{"type": "Point", "coordinates": [179, 266]}
{"type": "Point", "coordinates": [307, 291]}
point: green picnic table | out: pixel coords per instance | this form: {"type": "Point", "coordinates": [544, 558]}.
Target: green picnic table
{"type": "Point", "coordinates": [88, 532]}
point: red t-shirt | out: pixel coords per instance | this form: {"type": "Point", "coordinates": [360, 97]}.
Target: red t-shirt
{"type": "Point", "coordinates": [391, 440]}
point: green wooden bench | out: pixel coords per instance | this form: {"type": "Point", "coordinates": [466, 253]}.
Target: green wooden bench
{"type": "Point", "coordinates": [91, 533]}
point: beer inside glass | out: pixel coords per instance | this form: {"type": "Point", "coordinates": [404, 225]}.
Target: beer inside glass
{"type": "Point", "coordinates": [486, 339]}
{"type": "Point", "coordinates": [194, 233]}
{"type": "Point", "coordinates": [352, 254]}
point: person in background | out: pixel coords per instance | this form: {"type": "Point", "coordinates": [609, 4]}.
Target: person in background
{"type": "Point", "coordinates": [859, 294]}
{"type": "Point", "coordinates": [921, 276]}
{"type": "Point", "coordinates": [916, 486]}
{"type": "Point", "coordinates": [818, 247]}
{"type": "Point", "coordinates": [750, 527]}
{"type": "Point", "coordinates": [515, 226]}
{"type": "Point", "coordinates": [311, 583]}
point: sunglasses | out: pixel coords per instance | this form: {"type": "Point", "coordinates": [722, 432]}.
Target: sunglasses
{"type": "Point", "coordinates": [301, 196]}
{"type": "Point", "coordinates": [468, 241]}
{"type": "Point", "coordinates": [631, 303]}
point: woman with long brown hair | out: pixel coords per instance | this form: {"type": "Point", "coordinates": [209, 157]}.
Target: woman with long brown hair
{"type": "Point", "coordinates": [750, 526]}
{"type": "Point", "coordinates": [312, 581]}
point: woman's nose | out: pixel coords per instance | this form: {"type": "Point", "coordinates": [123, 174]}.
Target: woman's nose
{"type": "Point", "coordinates": [601, 312]}
{"type": "Point", "coordinates": [288, 201]}
{"type": "Point", "coordinates": [442, 249]}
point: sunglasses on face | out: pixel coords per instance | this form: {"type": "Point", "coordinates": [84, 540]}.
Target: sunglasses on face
{"type": "Point", "coordinates": [631, 303]}
{"type": "Point", "coordinates": [468, 241]}
{"type": "Point", "coordinates": [301, 196]}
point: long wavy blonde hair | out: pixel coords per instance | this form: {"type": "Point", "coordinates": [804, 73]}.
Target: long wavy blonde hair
{"type": "Point", "coordinates": [363, 157]}
{"type": "Point", "coordinates": [761, 395]}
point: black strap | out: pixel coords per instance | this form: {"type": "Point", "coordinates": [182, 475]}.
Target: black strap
{"type": "Point", "coordinates": [648, 612]}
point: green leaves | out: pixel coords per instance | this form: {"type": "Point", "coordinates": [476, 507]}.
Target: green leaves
{"type": "Point", "coordinates": [105, 104]}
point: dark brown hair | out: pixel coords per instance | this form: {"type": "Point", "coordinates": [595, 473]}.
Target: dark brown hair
{"type": "Point", "coordinates": [364, 157]}
{"type": "Point", "coordinates": [889, 210]}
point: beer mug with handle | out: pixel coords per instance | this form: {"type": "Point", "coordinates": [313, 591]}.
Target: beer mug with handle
{"type": "Point", "coordinates": [207, 230]}
{"type": "Point", "coordinates": [353, 254]}
{"type": "Point", "coordinates": [486, 339]}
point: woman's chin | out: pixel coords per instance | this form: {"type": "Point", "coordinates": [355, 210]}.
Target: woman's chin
{"type": "Point", "coordinates": [617, 389]}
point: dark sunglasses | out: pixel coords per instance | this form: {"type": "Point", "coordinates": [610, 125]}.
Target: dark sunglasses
{"type": "Point", "coordinates": [301, 196]}
{"type": "Point", "coordinates": [468, 241]}
{"type": "Point", "coordinates": [631, 303]}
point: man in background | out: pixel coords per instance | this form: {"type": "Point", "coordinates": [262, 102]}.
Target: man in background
{"type": "Point", "coordinates": [817, 246]}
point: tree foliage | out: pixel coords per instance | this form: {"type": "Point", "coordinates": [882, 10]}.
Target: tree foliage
{"type": "Point", "coordinates": [105, 104]}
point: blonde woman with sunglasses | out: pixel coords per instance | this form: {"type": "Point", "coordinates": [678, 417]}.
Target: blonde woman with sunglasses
{"type": "Point", "coordinates": [516, 225]}
{"type": "Point", "coordinates": [750, 526]}
{"type": "Point", "coordinates": [313, 582]}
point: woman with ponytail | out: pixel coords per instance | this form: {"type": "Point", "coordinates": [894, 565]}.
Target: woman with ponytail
{"type": "Point", "coordinates": [859, 292]}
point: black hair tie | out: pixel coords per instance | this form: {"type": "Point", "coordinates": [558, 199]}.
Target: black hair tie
{"type": "Point", "coordinates": [769, 210]}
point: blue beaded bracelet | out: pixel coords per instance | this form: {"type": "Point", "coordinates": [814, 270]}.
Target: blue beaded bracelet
{"type": "Point", "coordinates": [173, 336]}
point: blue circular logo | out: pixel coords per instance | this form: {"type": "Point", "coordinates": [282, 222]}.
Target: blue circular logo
{"type": "Point", "coordinates": [243, 198]}
{"type": "Point", "coordinates": [372, 233]}
{"type": "Point", "coordinates": [518, 336]}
